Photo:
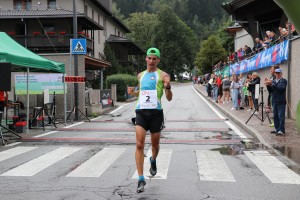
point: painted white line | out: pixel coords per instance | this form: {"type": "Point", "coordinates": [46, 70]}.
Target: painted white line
{"type": "Point", "coordinates": [38, 164]}
{"type": "Point", "coordinates": [96, 165]}
{"type": "Point", "coordinates": [4, 155]}
{"type": "Point", "coordinates": [44, 134]}
{"type": "Point", "coordinates": [215, 111]}
{"type": "Point", "coordinates": [272, 168]}
{"type": "Point", "coordinates": [162, 162]}
{"type": "Point", "coordinates": [118, 108]}
{"type": "Point", "coordinates": [234, 128]}
{"type": "Point", "coordinates": [96, 118]}
{"type": "Point", "coordinates": [73, 125]}
{"type": "Point", "coordinates": [13, 144]}
{"type": "Point", "coordinates": [212, 167]}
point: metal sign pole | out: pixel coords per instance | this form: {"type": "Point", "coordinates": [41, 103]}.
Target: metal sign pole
{"type": "Point", "coordinates": [75, 58]}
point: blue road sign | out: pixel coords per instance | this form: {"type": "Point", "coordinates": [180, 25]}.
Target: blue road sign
{"type": "Point", "coordinates": [78, 46]}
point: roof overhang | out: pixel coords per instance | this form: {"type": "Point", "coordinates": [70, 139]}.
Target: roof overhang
{"type": "Point", "coordinates": [86, 22]}
{"type": "Point", "coordinates": [95, 64]}
{"type": "Point", "coordinates": [133, 49]}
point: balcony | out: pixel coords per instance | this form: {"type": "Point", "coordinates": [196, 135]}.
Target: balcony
{"type": "Point", "coordinates": [46, 43]}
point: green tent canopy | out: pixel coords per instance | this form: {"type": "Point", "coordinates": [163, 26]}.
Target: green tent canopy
{"type": "Point", "coordinates": [22, 58]}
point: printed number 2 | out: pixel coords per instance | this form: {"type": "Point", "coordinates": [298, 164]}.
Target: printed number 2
{"type": "Point", "coordinates": [148, 99]}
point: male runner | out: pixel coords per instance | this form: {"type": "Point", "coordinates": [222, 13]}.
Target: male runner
{"type": "Point", "coordinates": [149, 112]}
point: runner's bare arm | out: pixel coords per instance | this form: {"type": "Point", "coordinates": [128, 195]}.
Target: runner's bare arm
{"type": "Point", "coordinates": [167, 86]}
{"type": "Point", "coordinates": [133, 92]}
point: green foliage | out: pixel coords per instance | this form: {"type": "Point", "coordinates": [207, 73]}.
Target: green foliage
{"type": "Point", "coordinates": [176, 41]}
{"type": "Point", "coordinates": [210, 53]}
{"type": "Point", "coordinates": [142, 26]}
{"type": "Point", "coordinates": [109, 56]}
{"type": "Point", "coordinates": [122, 81]}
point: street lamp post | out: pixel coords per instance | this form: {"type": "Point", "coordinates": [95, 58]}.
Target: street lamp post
{"type": "Point", "coordinates": [75, 58]}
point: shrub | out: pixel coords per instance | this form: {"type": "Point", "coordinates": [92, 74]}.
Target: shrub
{"type": "Point", "coordinates": [122, 81]}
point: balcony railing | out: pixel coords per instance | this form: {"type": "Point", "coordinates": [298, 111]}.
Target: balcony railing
{"type": "Point", "coordinates": [47, 42]}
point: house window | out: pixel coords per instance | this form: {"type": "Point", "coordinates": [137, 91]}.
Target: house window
{"type": "Point", "coordinates": [99, 19]}
{"type": "Point", "coordinates": [119, 33]}
{"type": "Point", "coordinates": [22, 4]}
{"type": "Point", "coordinates": [51, 4]}
{"type": "Point", "coordinates": [115, 31]}
{"type": "Point", "coordinates": [99, 36]}
{"type": "Point", "coordinates": [93, 14]}
{"type": "Point", "coordinates": [85, 9]}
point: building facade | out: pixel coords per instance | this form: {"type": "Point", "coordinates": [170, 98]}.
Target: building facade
{"type": "Point", "coordinates": [46, 27]}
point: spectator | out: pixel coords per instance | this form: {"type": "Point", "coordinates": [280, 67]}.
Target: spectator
{"type": "Point", "coordinates": [247, 51]}
{"type": "Point", "coordinates": [279, 101]}
{"type": "Point", "coordinates": [235, 86]}
{"type": "Point", "coordinates": [220, 91]}
{"type": "Point", "coordinates": [248, 80]}
{"type": "Point", "coordinates": [215, 88]}
{"type": "Point", "coordinates": [3, 100]}
{"type": "Point", "coordinates": [226, 88]}
{"type": "Point", "coordinates": [258, 45]}
{"type": "Point", "coordinates": [253, 83]}
{"type": "Point", "coordinates": [242, 81]}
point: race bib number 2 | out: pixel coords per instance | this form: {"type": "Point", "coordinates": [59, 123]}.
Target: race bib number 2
{"type": "Point", "coordinates": [148, 99]}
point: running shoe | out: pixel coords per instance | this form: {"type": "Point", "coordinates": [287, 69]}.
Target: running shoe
{"type": "Point", "coordinates": [141, 185]}
{"type": "Point", "coordinates": [153, 169]}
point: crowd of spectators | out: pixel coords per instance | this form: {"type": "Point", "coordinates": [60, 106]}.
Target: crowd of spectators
{"type": "Point", "coordinates": [269, 40]}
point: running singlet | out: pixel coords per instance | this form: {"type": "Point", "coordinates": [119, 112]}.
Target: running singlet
{"type": "Point", "coordinates": [151, 91]}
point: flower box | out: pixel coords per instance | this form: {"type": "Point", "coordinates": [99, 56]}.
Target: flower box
{"type": "Point", "coordinates": [36, 33]}
{"type": "Point", "coordinates": [81, 33]}
{"type": "Point", "coordinates": [50, 33]}
{"type": "Point", "coordinates": [11, 33]}
{"type": "Point", "coordinates": [62, 32]}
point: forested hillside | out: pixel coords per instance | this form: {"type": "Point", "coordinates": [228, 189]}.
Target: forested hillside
{"type": "Point", "coordinates": [178, 28]}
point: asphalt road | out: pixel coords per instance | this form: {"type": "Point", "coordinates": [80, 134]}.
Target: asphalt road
{"type": "Point", "coordinates": [203, 156]}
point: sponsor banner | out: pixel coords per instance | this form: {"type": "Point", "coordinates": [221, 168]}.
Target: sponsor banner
{"type": "Point", "coordinates": [224, 72]}
{"type": "Point", "coordinates": [38, 83]}
{"type": "Point", "coordinates": [271, 56]}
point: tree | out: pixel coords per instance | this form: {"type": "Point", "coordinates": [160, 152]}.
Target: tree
{"type": "Point", "coordinates": [142, 26]}
{"type": "Point", "coordinates": [211, 52]}
{"type": "Point", "coordinates": [176, 41]}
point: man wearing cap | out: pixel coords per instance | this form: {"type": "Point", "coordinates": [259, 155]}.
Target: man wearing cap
{"type": "Point", "coordinates": [149, 112]}
{"type": "Point", "coordinates": [279, 101]}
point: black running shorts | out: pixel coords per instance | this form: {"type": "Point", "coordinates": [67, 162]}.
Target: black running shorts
{"type": "Point", "coordinates": [150, 119]}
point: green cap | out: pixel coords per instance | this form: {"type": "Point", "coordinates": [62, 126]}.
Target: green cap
{"type": "Point", "coordinates": [153, 51]}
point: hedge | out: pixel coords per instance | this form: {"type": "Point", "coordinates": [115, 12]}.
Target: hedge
{"type": "Point", "coordinates": [122, 81]}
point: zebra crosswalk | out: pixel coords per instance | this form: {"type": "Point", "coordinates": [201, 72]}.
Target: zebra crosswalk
{"type": "Point", "coordinates": [211, 165]}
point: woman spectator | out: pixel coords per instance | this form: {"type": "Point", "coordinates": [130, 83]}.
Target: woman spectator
{"type": "Point", "coordinates": [250, 100]}
{"type": "Point", "coordinates": [226, 88]}
{"type": "Point", "coordinates": [249, 79]}
{"type": "Point", "coordinates": [235, 86]}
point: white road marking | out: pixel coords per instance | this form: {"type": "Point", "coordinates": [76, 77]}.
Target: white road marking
{"type": "Point", "coordinates": [96, 118]}
{"type": "Point", "coordinates": [73, 125]}
{"type": "Point", "coordinates": [13, 144]}
{"type": "Point", "coordinates": [96, 165]}
{"type": "Point", "coordinates": [44, 134]}
{"type": "Point", "coordinates": [38, 164]}
{"type": "Point", "coordinates": [272, 168]}
{"type": "Point", "coordinates": [162, 162]}
{"type": "Point", "coordinates": [234, 128]}
{"type": "Point", "coordinates": [118, 108]}
{"type": "Point", "coordinates": [212, 167]}
{"type": "Point", "coordinates": [4, 155]}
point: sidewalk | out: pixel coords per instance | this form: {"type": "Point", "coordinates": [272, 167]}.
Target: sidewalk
{"type": "Point", "coordinates": [289, 145]}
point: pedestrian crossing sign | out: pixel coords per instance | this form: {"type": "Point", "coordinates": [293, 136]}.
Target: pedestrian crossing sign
{"type": "Point", "coordinates": [78, 46]}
